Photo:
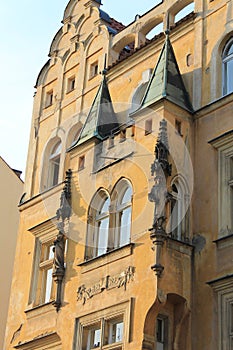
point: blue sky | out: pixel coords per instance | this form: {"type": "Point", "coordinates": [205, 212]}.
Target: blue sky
{"type": "Point", "coordinates": [28, 28]}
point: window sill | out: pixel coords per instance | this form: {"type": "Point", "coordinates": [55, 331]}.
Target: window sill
{"type": "Point", "coordinates": [225, 241]}
{"type": "Point", "coordinates": [34, 311]}
{"type": "Point", "coordinates": [106, 258]}
{"type": "Point", "coordinates": [41, 342]}
{"type": "Point", "coordinates": [180, 246]}
{"type": "Point", "coordinates": [115, 346]}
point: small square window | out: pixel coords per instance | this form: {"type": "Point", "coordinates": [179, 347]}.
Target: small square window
{"type": "Point", "coordinates": [148, 126]}
{"type": "Point", "coordinates": [94, 70]}
{"type": "Point", "coordinates": [81, 162]}
{"type": "Point", "coordinates": [70, 84]}
{"type": "Point", "coordinates": [49, 98]}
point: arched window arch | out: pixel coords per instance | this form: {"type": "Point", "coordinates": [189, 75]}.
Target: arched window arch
{"type": "Point", "coordinates": [137, 97]}
{"type": "Point", "coordinates": [54, 165]}
{"type": "Point", "coordinates": [227, 65]}
{"type": "Point", "coordinates": [109, 220]}
{"type": "Point", "coordinates": [179, 210]}
{"type": "Point", "coordinates": [98, 225]}
{"type": "Point", "coordinates": [122, 209]}
{"type": "Point", "coordinates": [183, 12]}
{"type": "Point", "coordinates": [140, 90]}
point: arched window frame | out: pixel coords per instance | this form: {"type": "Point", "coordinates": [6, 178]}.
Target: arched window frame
{"type": "Point", "coordinates": [178, 225]}
{"type": "Point", "coordinates": [97, 243]}
{"type": "Point", "coordinates": [116, 208]}
{"type": "Point", "coordinates": [119, 209]}
{"type": "Point", "coordinates": [140, 90]}
{"type": "Point", "coordinates": [227, 67]}
{"type": "Point", "coordinates": [54, 165]}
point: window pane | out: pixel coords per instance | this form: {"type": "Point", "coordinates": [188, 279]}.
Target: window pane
{"type": "Point", "coordinates": [48, 287]}
{"type": "Point", "coordinates": [117, 332]}
{"type": "Point", "coordinates": [174, 218]}
{"type": "Point", "coordinates": [95, 338]}
{"type": "Point", "coordinates": [125, 223]}
{"type": "Point", "coordinates": [114, 331]}
{"type": "Point", "coordinates": [229, 50]}
{"type": "Point", "coordinates": [127, 195]}
{"type": "Point", "coordinates": [231, 168]}
{"type": "Point", "coordinates": [55, 170]}
{"type": "Point", "coordinates": [51, 253]}
{"type": "Point", "coordinates": [161, 333]}
{"type": "Point", "coordinates": [56, 150]}
{"type": "Point", "coordinates": [105, 206]}
{"type": "Point", "coordinates": [229, 75]}
{"type": "Point", "coordinates": [103, 236]}
{"type": "Point", "coordinates": [91, 337]}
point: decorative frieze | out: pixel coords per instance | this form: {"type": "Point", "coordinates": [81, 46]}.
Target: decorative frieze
{"type": "Point", "coordinates": [106, 283]}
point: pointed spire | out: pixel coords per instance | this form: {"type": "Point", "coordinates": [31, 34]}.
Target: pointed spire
{"type": "Point", "coordinates": [166, 80]}
{"type": "Point", "coordinates": [101, 119]}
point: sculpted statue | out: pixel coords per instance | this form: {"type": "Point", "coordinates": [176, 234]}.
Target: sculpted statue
{"type": "Point", "coordinates": [59, 252]}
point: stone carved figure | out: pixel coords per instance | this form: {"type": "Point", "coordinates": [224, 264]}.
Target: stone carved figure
{"type": "Point", "coordinates": [106, 283]}
{"type": "Point", "coordinates": [83, 293]}
{"type": "Point", "coordinates": [125, 277]}
{"type": "Point", "coordinates": [59, 251]}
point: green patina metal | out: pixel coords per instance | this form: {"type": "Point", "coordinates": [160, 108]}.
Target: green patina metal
{"type": "Point", "coordinates": [101, 119]}
{"type": "Point", "coordinates": [166, 81]}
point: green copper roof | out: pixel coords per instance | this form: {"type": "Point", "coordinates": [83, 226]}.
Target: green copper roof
{"type": "Point", "coordinates": [101, 119]}
{"type": "Point", "coordinates": [166, 81]}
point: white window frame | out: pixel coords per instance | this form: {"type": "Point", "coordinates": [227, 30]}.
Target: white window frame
{"type": "Point", "coordinates": [45, 235]}
{"type": "Point", "coordinates": [119, 212]}
{"type": "Point", "coordinates": [96, 216]}
{"type": "Point", "coordinates": [180, 210]}
{"type": "Point", "coordinates": [121, 311]}
{"type": "Point", "coordinates": [224, 293]}
{"type": "Point", "coordinates": [224, 146]}
{"type": "Point", "coordinates": [163, 345]}
{"type": "Point", "coordinates": [226, 58]}
{"type": "Point", "coordinates": [114, 238]}
{"type": "Point", "coordinates": [54, 165]}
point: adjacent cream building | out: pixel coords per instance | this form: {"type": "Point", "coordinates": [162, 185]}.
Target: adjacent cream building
{"type": "Point", "coordinates": [125, 238]}
{"type": "Point", "coordinates": [11, 188]}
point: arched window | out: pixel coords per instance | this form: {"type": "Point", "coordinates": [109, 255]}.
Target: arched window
{"type": "Point", "coordinates": [140, 90]}
{"type": "Point", "coordinates": [98, 225]}
{"type": "Point", "coordinates": [122, 198]}
{"type": "Point", "coordinates": [227, 62]}
{"type": "Point", "coordinates": [137, 97]}
{"type": "Point", "coordinates": [54, 165]}
{"type": "Point", "coordinates": [184, 12]}
{"type": "Point", "coordinates": [179, 206]}
{"type": "Point", "coordinates": [109, 220]}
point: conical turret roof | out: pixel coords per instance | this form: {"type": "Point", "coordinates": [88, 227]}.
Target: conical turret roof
{"type": "Point", "coordinates": [166, 81]}
{"type": "Point", "coordinates": [101, 119]}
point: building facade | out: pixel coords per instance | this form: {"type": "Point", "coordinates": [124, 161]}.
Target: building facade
{"type": "Point", "coordinates": [125, 238]}
{"type": "Point", "coordinates": [11, 190]}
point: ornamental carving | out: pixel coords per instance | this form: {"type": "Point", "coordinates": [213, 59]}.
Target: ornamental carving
{"type": "Point", "coordinates": [106, 283]}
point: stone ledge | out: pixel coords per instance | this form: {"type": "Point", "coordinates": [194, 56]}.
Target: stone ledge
{"type": "Point", "coordinates": [106, 258]}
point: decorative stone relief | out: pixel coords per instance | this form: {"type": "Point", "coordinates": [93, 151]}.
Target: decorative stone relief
{"type": "Point", "coordinates": [109, 282]}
